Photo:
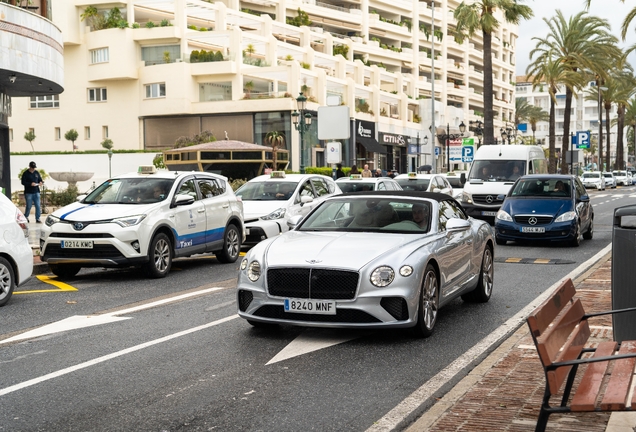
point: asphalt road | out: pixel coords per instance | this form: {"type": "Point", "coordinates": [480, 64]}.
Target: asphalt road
{"type": "Point", "coordinates": [158, 362]}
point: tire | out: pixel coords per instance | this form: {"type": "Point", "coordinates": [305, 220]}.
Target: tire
{"type": "Point", "coordinates": [7, 281]}
{"type": "Point", "coordinates": [231, 246]}
{"type": "Point", "coordinates": [483, 291]}
{"type": "Point", "coordinates": [576, 241]}
{"type": "Point", "coordinates": [587, 235]}
{"type": "Point", "coordinates": [429, 304]}
{"type": "Point", "coordinates": [159, 257]}
{"type": "Point", "coordinates": [500, 242]}
{"type": "Point", "coordinates": [64, 270]}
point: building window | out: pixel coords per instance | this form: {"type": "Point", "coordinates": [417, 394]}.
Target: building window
{"type": "Point", "coordinates": [87, 132]}
{"type": "Point", "coordinates": [104, 132]}
{"type": "Point", "coordinates": [97, 94]}
{"type": "Point", "coordinates": [160, 54]}
{"type": "Point", "coordinates": [99, 55]}
{"type": "Point", "coordinates": [58, 134]}
{"type": "Point", "coordinates": [51, 101]}
{"type": "Point", "coordinates": [156, 90]}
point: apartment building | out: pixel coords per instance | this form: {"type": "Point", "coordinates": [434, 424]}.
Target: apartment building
{"type": "Point", "coordinates": [584, 116]}
{"type": "Point", "coordinates": [170, 68]}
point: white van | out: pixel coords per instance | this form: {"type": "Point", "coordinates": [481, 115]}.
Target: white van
{"type": "Point", "coordinates": [494, 170]}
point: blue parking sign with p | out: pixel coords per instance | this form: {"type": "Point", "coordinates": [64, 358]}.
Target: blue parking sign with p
{"type": "Point", "coordinates": [468, 153]}
{"type": "Point", "coordinates": [583, 139]}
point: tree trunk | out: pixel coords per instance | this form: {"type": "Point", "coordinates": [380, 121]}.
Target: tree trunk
{"type": "Point", "coordinates": [489, 131]}
{"type": "Point", "coordinates": [552, 138]}
{"type": "Point", "coordinates": [620, 155]}
{"type": "Point", "coordinates": [565, 145]}
{"type": "Point", "coordinates": [607, 132]}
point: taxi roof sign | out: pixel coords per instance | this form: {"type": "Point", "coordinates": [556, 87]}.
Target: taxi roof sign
{"type": "Point", "coordinates": [412, 175]}
{"type": "Point", "coordinates": [146, 169]}
{"type": "Point", "coordinates": [355, 177]}
{"type": "Point", "coordinates": [277, 174]}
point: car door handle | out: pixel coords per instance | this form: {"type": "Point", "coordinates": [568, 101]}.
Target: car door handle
{"type": "Point", "coordinates": [201, 210]}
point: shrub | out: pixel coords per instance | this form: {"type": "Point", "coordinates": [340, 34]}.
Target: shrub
{"type": "Point", "coordinates": [136, 25]}
{"type": "Point", "coordinates": [237, 183]}
{"type": "Point", "coordinates": [218, 56]}
{"type": "Point", "coordinates": [150, 24]}
{"type": "Point", "coordinates": [194, 56]}
{"type": "Point", "coordinates": [62, 197]}
{"type": "Point", "coordinates": [164, 23]}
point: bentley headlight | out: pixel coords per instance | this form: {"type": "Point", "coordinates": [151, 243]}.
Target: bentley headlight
{"type": "Point", "coordinates": [50, 220]}
{"type": "Point", "coordinates": [567, 216]}
{"type": "Point", "coordinates": [129, 220]}
{"type": "Point", "coordinates": [504, 216]}
{"type": "Point", "coordinates": [244, 264]}
{"type": "Point", "coordinates": [467, 198]}
{"type": "Point", "coordinates": [382, 276]}
{"type": "Point", "coordinates": [276, 214]}
{"type": "Point", "coordinates": [254, 271]}
{"type": "Point", "coordinates": [406, 270]}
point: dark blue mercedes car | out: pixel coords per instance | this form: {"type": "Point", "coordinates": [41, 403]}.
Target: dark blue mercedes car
{"type": "Point", "coordinates": [550, 207]}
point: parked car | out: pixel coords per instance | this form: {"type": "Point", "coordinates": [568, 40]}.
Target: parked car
{"type": "Point", "coordinates": [425, 183]}
{"type": "Point", "coordinates": [270, 200]}
{"type": "Point", "coordinates": [621, 178]}
{"type": "Point", "coordinates": [457, 180]}
{"type": "Point", "coordinates": [610, 180]}
{"type": "Point", "coordinates": [145, 219]}
{"type": "Point", "coordinates": [16, 256]}
{"type": "Point", "coordinates": [373, 259]}
{"type": "Point", "coordinates": [593, 179]}
{"type": "Point", "coordinates": [357, 183]}
{"type": "Point", "coordinates": [545, 207]}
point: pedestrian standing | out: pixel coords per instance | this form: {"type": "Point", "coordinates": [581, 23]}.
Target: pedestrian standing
{"type": "Point", "coordinates": [32, 180]}
{"type": "Point", "coordinates": [366, 172]}
{"type": "Point", "coordinates": [339, 172]}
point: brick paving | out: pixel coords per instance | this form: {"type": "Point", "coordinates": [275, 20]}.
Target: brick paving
{"type": "Point", "coordinates": [508, 396]}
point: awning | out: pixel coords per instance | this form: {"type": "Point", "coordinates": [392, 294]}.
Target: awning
{"type": "Point", "coordinates": [371, 145]}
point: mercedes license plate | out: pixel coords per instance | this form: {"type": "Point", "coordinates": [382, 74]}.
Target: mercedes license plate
{"type": "Point", "coordinates": [77, 244]}
{"type": "Point", "coordinates": [489, 213]}
{"type": "Point", "coordinates": [533, 229]}
{"type": "Point", "coordinates": [320, 307]}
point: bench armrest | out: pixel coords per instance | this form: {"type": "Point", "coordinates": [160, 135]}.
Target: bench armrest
{"type": "Point", "coordinates": [557, 365]}
{"type": "Point", "coordinates": [616, 311]}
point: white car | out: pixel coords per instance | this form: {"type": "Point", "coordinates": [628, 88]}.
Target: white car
{"type": "Point", "coordinates": [357, 183]}
{"type": "Point", "coordinates": [457, 180]}
{"type": "Point", "coordinates": [425, 183]}
{"type": "Point", "coordinates": [270, 200]}
{"type": "Point", "coordinates": [610, 180]}
{"type": "Point", "coordinates": [593, 179]}
{"type": "Point", "coordinates": [16, 256]}
{"type": "Point", "coordinates": [622, 178]}
{"type": "Point", "coordinates": [145, 219]}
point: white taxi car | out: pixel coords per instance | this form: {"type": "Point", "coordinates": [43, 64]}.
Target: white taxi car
{"type": "Point", "coordinates": [593, 179]}
{"type": "Point", "coordinates": [357, 183]}
{"type": "Point", "coordinates": [16, 256]}
{"type": "Point", "coordinates": [270, 200]}
{"type": "Point", "coordinates": [425, 183]}
{"type": "Point", "coordinates": [145, 219]}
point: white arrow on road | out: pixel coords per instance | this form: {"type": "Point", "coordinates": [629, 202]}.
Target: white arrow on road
{"type": "Point", "coordinates": [314, 340]}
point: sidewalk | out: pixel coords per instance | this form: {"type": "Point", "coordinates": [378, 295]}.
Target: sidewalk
{"type": "Point", "coordinates": [505, 391]}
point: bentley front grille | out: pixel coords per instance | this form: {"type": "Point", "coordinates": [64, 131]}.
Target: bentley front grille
{"type": "Point", "coordinates": [307, 283]}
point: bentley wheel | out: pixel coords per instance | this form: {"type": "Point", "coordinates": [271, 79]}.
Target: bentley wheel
{"type": "Point", "coordinates": [429, 304]}
{"type": "Point", "coordinates": [483, 291]}
{"type": "Point", "coordinates": [159, 257]}
{"type": "Point", "coordinates": [7, 281]}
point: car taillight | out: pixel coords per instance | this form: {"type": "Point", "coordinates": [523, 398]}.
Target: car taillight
{"type": "Point", "coordinates": [22, 221]}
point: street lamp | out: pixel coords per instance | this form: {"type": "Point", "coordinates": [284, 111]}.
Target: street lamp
{"type": "Point", "coordinates": [505, 134]}
{"type": "Point", "coordinates": [478, 129]}
{"type": "Point", "coordinates": [449, 136]}
{"type": "Point", "coordinates": [301, 126]}
{"type": "Point", "coordinates": [419, 149]}
{"type": "Point", "coordinates": [110, 157]}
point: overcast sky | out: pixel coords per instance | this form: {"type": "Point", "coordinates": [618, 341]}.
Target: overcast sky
{"type": "Point", "coordinates": [612, 10]}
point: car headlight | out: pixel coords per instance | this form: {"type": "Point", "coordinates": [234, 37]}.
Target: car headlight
{"type": "Point", "coordinates": [406, 271]}
{"type": "Point", "coordinates": [129, 220]}
{"type": "Point", "coordinates": [276, 214]}
{"type": "Point", "coordinates": [466, 198]}
{"type": "Point", "coordinates": [502, 215]}
{"type": "Point", "coordinates": [244, 264]}
{"type": "Point", "coordinates": [50, 220]}
{"type": "Point", "coordinates": [254, 271]}
{"type": "Point", "coordinates": [567, 216]}
{"type": "Point", "coordinates": [382, 276]}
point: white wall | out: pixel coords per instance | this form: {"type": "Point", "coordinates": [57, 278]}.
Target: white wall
{"type": "Point", "coordinates": [121, 163]}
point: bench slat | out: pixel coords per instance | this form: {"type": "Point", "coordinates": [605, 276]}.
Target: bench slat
{"type": "Point", "coordinates": [571, 350]}
{"type": "Point", "coordinates": [588, 391]}
{"type": "Point", "coordinates": [545, 313]}
{"type": "Point", "coordinates": [621, 380]}
{"type": "Point", "coordinates": [554, 338]}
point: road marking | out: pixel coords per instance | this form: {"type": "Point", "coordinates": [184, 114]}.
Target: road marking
{"type": "Point", "coordinates": [61, 286]}
{"type": "Point", "coordinates": [82, 321]}
{"type": "Point", "coordinates": [313, 340]}
{"type": "Point", "coordinates": [111, 356]}
{"type": "Point", "coordinates": [416, 403]}
{"type": "Point", "coordinates": [515, 260]}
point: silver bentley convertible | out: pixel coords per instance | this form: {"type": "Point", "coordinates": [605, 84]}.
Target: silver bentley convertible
{"type": "Point", "coordinates": [369, 260]}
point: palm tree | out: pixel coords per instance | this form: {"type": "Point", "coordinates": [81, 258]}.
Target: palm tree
{"type": "Point", "coordinates": [480, 16]}
{"type": "Point", "coordinates": [630, 121]}
{"type": "Point", "coordinates": [535, 116]}
{"type": "Point", "coordinates": [522, 109]}
{"type": "Point", "coordinates": [582, 44]}
{"type": "Point", "coordinates": [276, 140]}
{"type": "Point", "coordinates": [625, 84]}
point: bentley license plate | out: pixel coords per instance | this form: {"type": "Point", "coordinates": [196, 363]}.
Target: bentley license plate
{"type": "Point", "coordinates": [320, 307]}
{"type": "Point", "coordinates": [533, 229]}
{"type": "Point", "coordinates": [77, 244]}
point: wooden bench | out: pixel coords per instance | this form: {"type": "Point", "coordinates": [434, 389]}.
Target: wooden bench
{"type": "Point", "coordinates": [560, 330]}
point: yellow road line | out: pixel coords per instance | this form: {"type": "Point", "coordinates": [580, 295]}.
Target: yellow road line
{"type": "Point", "coordinates": [52, 281]}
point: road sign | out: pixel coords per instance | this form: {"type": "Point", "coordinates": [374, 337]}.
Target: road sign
{"type": "Point", "coordinates": [468, 141]}
{"type": "Point", "coordinates": [436, 151]}
{"type": "Point", "coordinates": [582, 139]}
{"type": "Point", "coordinates": [468, 153]}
